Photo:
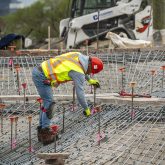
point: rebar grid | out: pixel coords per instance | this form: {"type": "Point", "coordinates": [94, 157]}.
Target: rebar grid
{"type": "Point", "coordinates": [127, 141]}
{"type": "Point", "coordinates": [137, 68]}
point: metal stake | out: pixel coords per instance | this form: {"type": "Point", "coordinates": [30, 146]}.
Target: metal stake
{"type": "Point", "coordinates": [163, 68]}
{"type": "Point", "coordinates": [2, 106]}
{"type": "Point", "coordinates": [152, 80]}
{"type": "Point", "coordinates": [98, 109]}
{"type": "Point", "coordinates": [40, 102]}
{"type": "Point", "coordinates": [74, 93]}
{"type": "Point", "coordinates": [30, 141]}
{"type": "Point", "coordinates": [163, 79]}
{"type": "Point", "coordinates": [91, 89]}
{"type": "Point", "coordinates": [122, 77]}
{"type": "Point", "coordinates": [94, 99]}
{"type": "Point", "coordinates": [17, 67]}
{"type": "Point", "coordinates": [63, 120]}
{"type": "Point", "coordinates": [24, 89]}
{"type": "Point", "coordinates": [16, 124]}
{"type": "Point", "coordinates": [99, 125]}
{"type": "Point", "coordinates": [132, 84]}
{"type": "Point", "coordinates": [132, 111]}
{"type": "Point", "coordinates": [11, 121]}
{"type": "Point", "coordinates": [55, 143]}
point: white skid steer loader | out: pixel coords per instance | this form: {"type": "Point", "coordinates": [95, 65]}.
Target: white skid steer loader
{"type": "Point", "coordinates": [90, 20]}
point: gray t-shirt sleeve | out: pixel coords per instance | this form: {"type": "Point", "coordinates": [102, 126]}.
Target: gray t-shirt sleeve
{"type": "Point", "coordinates": [79, 80]}
{"type": "Point", "coordinates": [87, 77]}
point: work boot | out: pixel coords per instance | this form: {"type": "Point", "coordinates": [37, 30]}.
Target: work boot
{"type": "Point", "coordinates": [47, 135]}
{"type": "Point", "coordinates": [39, 134]}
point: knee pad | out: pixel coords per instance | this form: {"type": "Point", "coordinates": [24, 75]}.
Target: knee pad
{"type": "Point", "coordinates": [51, 110]}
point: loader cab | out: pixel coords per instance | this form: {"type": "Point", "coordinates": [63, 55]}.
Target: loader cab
{"type": "Point", "coordinates": [83, 7]}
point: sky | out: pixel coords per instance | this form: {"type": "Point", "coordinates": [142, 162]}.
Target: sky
{"type": "Point", "coordinates": [28, 2]}
{"type": "Point", "coordinates": [17, 4]}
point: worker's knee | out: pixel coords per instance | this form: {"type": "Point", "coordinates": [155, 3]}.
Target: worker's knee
{"type": "Point", "coordinates": [51, 110]}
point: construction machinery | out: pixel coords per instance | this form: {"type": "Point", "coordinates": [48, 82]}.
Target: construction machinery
{"type": "Point", "coordinates": [90, 20]}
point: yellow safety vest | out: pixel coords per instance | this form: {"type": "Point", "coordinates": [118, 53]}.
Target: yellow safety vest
{"type": "Point", "coordinates": [58, 68]}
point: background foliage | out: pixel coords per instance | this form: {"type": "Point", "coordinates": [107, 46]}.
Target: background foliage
{"type": "Point", "coordinates": [159, 14]}
{"type": "Point", "coordinates": [33, 21]}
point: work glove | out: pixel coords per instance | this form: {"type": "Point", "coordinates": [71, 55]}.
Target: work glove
{"type": "Point", "coordinates": [51, 83]}
{"type": "Point", "coordinates": [54, 83]}
{"type": "Point", "coordinates": [87, 112]}
{"type": "Point", "coordinates": [94, 82]}
{"type": "Point", "coordinates": [47, 82]}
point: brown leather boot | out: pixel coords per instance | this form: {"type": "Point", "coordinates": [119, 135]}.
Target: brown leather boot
{"type": "Point", "coordinates": [47, 136]}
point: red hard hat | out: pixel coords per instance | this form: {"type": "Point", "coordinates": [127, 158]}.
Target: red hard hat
{"type": "Point", "coordinates": [97, 65]}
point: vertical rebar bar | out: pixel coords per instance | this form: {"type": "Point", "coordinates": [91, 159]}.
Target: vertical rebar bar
{"type": "Point", "coordinates": [24, 94]}
{"type": "Point", "coordinates": [2, 106]}
{"type": "Point", "coordinates": [163, 78]}
{"type": "Point", "coordinates": [99, 126]}
{"type": "Point", "coordinates": [132, 107]}
{"type": "Point", "coordinates": [74, 93]}
{"type": "Point", "coordinates": [122, 81]}
{"type": "Point", "coordinates": [55, 143]}
{"type": "Point", "coordinates": [1, 111]}
{"type": "Point", "coordinates": [63, 119]}
{"type": "Point", "coordinates": [91, 90]}
{"type": "Point", "coordinates": [11, 63]}
{"type": "Point", "coordinates": [152, 79]}
{"type": "Point", "coordinates": [163, 68]}
{"type": "Point", "coordinates": [30, 140]}
{"type": "Point", "coordinates": [17, 67]}
{"type": "Point", "coordinates": [16, 124]}
{"type": "Point", "coordinates": [94, 95]}
{"type": "Point", "coordinates": [122, 77]}
{"type": "Point", "coordinates": [40, 110]}
{"type": "Point", "coordinates": [132, 84]}
{"type": "Point", "coordinates": [55, 128]}
{"type": "Point", "coordinates": [11, 122]}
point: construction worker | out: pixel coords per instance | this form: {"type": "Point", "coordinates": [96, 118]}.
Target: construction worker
{"type": "Point", "coordinates": [72, 66]}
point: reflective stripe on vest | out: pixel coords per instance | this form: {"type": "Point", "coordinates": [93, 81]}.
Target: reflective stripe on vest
{"type": "Point", "coordinates": [62, 64]}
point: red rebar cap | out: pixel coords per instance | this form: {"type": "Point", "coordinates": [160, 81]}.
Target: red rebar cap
{"type": "Point", "coordinates": [24, 85]}
{"type": "Point", "coordinates": [39, 100]}
{"type": "Point", "coordinates": [55, 128]}
{"type": "Point", "coordinates": [12, 118]}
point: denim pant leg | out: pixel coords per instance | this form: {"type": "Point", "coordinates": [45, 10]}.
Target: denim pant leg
{"type": "Point", "coordinates": [45, 93]}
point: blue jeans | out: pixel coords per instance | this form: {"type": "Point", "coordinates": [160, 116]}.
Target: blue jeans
{"type": "Point", "coordinates": [45, 93]}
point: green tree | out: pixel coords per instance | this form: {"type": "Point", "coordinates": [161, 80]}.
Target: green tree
{"type": "Point", "coordinates": [158, 14]}
{"type": "Point", "coordinates": [33, 21]}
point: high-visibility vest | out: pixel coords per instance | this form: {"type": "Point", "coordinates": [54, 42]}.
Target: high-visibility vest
{"type": "Point", "coordinates": [58, 68]}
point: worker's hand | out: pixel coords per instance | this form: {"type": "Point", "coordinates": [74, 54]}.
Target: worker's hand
{"type": "Point", "coordinates": [87, 112]}
{"type": "Point", "coordinates": [94, 82]}
{"type": "Point", "coordinates": [54, 83]}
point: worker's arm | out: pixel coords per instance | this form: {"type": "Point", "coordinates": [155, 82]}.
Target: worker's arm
{"type": "Point", "coordinates": [79, 80]}
{"type": "Point", "coordinates": [87, 77]}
